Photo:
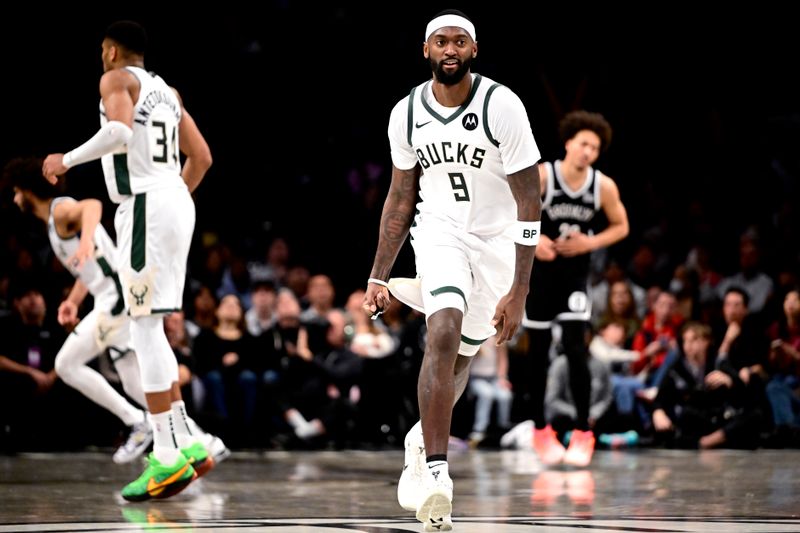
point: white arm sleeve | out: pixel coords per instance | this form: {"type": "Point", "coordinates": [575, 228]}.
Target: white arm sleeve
{"type": "Point", "coordinates": [110, 137]}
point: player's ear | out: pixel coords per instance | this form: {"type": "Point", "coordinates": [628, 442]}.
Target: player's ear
{"type": "Point", "coordinates": [425, 52]}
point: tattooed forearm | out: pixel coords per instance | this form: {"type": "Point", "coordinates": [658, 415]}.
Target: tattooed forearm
{"type": "Point", "coordinates": [395, 225]}
{"type": "Point", "coordinates": [398, 212]}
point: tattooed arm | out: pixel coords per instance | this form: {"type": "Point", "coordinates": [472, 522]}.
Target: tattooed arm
{"type": "Point", "coordinates": [526, 188]}
{"type": "Point", "coordinates": [398, 212]}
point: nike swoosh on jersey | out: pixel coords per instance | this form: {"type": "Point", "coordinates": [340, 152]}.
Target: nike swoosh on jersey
{"type": "Point", "coordinates": [418, 125]}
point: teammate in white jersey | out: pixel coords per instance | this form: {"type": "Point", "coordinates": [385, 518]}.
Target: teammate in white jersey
{"type": "Point", "coordinates": [465, 143]}
{"type": "Point", "coordinates": [84, 248]}
{"type": "Point", "coordinates": [144, 126]}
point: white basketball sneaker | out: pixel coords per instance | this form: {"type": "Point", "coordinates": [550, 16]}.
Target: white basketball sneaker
{"type": "Point", "coordinates": [139, 439]}
{"type": "Point", "coordinates": [410, 484]}
{"type": "Point", "coordinates": [408, 291]}
{"type": "Point", "coordinates": [436, 501]}
{"type": "Point", "coordinates": [215, 447]}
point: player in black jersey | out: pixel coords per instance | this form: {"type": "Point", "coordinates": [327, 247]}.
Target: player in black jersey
{"type": "Point", "coordinates": [573, 193]}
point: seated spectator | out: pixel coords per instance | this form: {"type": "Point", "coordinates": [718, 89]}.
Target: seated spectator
{"type": "Point", "coordinates": [28, 347]}
{"type": "Point", "coordinates": [225, 360]}
{"type": "Point", "coordinates": [698, 406]}
{"type": "Point", "coordinates": [783, 388]}
{"type": "Point", "coordinates": [560, 406]}
{"type": "Point", "coordinates": [621, 308]}
{"type": "Point", "coordinates": [750, 278]}
{"type": "Point", "coordinates": [261, 315]}
{"type": "Point", "coordinates": [488, 383]}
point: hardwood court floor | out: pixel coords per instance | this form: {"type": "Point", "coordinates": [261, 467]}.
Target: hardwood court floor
{"type": "Point", "coordinates": [347, 491]}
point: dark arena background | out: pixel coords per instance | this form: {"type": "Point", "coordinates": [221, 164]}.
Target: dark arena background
{"type": "Point", "coordinates": [294, 100]}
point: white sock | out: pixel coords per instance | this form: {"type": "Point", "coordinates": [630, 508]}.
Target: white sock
{"type": "Point", "coordinates": [310, 429]}
{"type": "Point", "coordinates": [295, 418]}
{"type": "Point", "coordinates": [165, 448]}
{"type": "Point", "coordinates": [439, 470]}
{"type": "Point", "coordinates": [183, 431]}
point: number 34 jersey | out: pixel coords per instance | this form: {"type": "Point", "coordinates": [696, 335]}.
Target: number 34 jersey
{"type": "Point", "coordinates": [151, 160]}
{"type": "Point", "coordinates": [466, 153]}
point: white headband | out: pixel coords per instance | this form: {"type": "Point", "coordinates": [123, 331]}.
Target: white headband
{"type": "Point", "coordinates": [450, 20]}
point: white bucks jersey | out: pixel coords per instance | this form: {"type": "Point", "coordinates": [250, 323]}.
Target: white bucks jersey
{"type": "Point", "coordinates": [466, 153]}
{"type": "Point", "coordinates": [98, 273]}
{"type": "Point", "coordinates": [151, 160]}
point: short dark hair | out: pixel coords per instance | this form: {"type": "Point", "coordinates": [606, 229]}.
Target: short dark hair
{"type": "Point", "coordinates": [26, 174]}
{"type": "Point", "coordinates": [128, 34]}
{"type": "Point", "coordinates": [576, 121]}
{"type": "Point", "coordinates": [267, 284]}
{"type": "Point", "coordinates": [451, 12]}
{"type": "Point", "coordinates": [740, 291]}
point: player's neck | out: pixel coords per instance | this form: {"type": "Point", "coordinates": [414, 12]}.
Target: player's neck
{"type": "Point", "coordinates": [132, 63]}
{"type": "Point", "coordinates": [573, 174]}
{"type": "Point", "coordinates": [41, 210]}
{"type": "Point", "coordinates": [452, 95]}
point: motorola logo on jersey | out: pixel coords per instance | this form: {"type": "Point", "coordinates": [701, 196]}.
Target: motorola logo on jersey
{"type": "Point", "coordinates": [470, 121]}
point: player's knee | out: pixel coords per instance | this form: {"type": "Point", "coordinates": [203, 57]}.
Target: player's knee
{"type": "Point", "coordinates": [65, 367]}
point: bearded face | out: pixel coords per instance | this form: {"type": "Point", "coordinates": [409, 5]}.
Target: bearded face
{"type": "Point", "coordinates": [23, 201]}
{"type": "Point", "coordinates": [452, 77]}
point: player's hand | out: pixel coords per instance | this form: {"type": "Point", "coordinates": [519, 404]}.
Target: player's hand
{"type": "Point", "coordinates": [53, 167]}
{"type": "Point", "coordinates": [576, 243]}
{"type": "Point", "coordinates": [376, 299]}
{"type": "Point", "coordinates": [68, 313]}
{"type": "Point", "coordinates": [545, 250]}
{"type": "Point", "coordinates": [508, 316]}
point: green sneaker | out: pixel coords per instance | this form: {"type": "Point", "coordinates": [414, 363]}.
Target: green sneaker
{"type": "Point", "coordinates": [159, 481]}
{"type": "Point", "coordinates": [199, 458]}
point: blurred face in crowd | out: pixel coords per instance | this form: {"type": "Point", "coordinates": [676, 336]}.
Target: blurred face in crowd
{"type": "Point", "coordinates": [278, 253]}
{"type": "Point", "coordinates": [230, 309]}
{"type": "Point", "coordinates": [733, 308]}
{"type": "Point", "coordinates": [320, 291]}
{"type": "Point", "coordinates": [204, 301]}
{"type": "Point", "coordinates": [614, 334]}
{"type": "Point", "coordinates": [31, 308]}
{"type": "Point", "coordinates": [287, 310]}
{"type": "Point", "coordinates": [664, 307]}
{"type": "Point", "coordinates": [791, 305]}
{"type": "Point", "coordinates": [263, 300]}
{"type": "Point", "coordinates": [335, 335]}
{"type": "Point", "coordinates": [620, 298]}
{"type": "Point", "coordinates": [695, 346]}
{"type": "Point", "coordinates": [175, 328]}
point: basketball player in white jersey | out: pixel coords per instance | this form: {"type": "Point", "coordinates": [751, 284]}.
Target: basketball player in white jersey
{"type": "Point", "coordinates": [465, 143]}
{"type": "Point", "coordinates": [84, 248]}
{"type": "Point", "coordinates": [144, 128]}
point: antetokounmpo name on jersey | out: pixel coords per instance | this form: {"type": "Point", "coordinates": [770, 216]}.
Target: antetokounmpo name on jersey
{"type": "Point", "coordinates": [150, 102]}
{"type": "Point", "coordinates": [447, 152]}
{"type": "Point", "coordinates": [570, 211]}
